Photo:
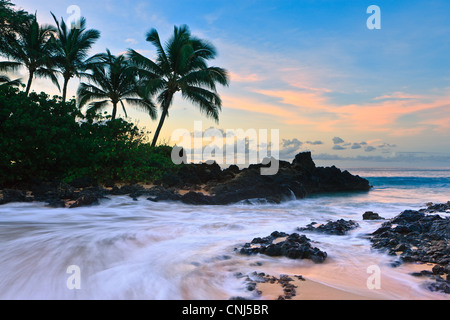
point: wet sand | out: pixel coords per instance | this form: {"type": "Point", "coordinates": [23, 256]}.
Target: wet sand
{"type": "Point", "coordinates": [308, 290]}
{"type": "Point", "coordinates": [345, 286]}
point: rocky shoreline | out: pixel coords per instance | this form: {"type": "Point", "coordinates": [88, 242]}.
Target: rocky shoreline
{"type": "Point", "coordinates": [421, 237]}
{"type": "Point", "coordinates": [200, 184]}
{"type": "Point", "coordinates": [286, 283]}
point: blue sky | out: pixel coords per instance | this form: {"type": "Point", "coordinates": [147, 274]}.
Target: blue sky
{"type": "Point", "coordinates": [309, 68]}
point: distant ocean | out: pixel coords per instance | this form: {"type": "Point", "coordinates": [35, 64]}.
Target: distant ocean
{"type": "Point", "coordinates": [129, 249]}
{"type": "Point", "coordinates": [413, 187]}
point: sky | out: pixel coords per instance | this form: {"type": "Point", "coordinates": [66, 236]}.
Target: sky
{"type": "Point", "coordinates": [353, 96]}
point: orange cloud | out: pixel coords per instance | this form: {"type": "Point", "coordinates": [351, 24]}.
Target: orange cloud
{"type": "Point", "coordinates": [304, 99]}
{"type": "Point", "coordinates": [247, 104]}
{"type": "Point", "coordinates": [297, 93]}
{"type": "Point", "coordinates": [256, 106]}
{"type": "Point", "coordinates": [234, 77]}
{"type": "Point", "coordinates": [378, 116]}
{"type": "Point", "coordinates": [400, 96]}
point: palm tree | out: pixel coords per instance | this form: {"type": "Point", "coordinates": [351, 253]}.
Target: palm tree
{"type": "Point", "coordinates": [9, 66]}
{"type": "Point", "coordinates": [31, 48]}
{"type": "Point", "coordinates": [10, 21]}
{"type": "Point", "coordinates": [72, 48]}
{"type": "Point", "coordinates": [5, 81]}
{"type": "Point", "coordinates": [181, 65]}
{"type": "Point", "coordinates": [112, 81]}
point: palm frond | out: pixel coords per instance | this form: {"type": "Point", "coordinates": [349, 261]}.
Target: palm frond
{"type": "Point", "coordinates": [5, 81]}
{"type": "Point", "coordinates": [144, 64]}
{"type": "Point", "coordinates": [97, 106]}
{"type": "Point", "coordinates": [203, 48]}
{"type": "Point", "coordinates": [89, 92]}
{"type": "Point", "coordinates": [48, 73]}
{"type": "Point", "coordinates": [9, 66]}
{"type": "Point", "coordinates": [144, 105]}
{"type": "Point", "coordinates": [207, 77]}
{"type": "Point", "coordinates": [153, 37]}
{"type": "Point", "coordinates": [124, 109]}
{"type": "Point", "coordinates": [208, 102]}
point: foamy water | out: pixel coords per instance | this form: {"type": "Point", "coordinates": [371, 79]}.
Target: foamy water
{"type": "Point", "coordinates": [129, 249]}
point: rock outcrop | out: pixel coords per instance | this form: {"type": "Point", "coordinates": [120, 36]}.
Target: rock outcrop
{"type": "Point", "coordinates": [419, 236]}
{"type": "Point", "coordinates": [293, 246]}
{"type": "Point", "coordinates": [339, 227]}
{"type": "Point", "coordinates": [293, 180]}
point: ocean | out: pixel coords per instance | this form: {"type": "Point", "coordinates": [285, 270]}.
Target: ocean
{"type": "Point", "coordinates": [126, 249]}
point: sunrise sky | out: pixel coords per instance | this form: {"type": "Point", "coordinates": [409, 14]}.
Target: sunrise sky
{"type": "Point", "coordinates": [312, 69]}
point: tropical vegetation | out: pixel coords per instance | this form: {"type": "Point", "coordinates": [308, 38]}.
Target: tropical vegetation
{"type": "Point", "coordinates": [71, 49]}
{"type": "Point", "coordinates": [61, 138]}
{"type": "Point", "coordinates": [181, 65]}
{"type": "Point", "coordinates": [112, 81]}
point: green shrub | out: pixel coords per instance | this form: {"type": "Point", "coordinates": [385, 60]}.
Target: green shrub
{"type": "Point", "coordinates": [42, 138]}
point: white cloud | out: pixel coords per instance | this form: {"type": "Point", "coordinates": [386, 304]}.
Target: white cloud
{"type": "Point", "coordinates": [131, 41]}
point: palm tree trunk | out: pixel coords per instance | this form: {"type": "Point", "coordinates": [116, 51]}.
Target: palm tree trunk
{"type": "Point", "coordinates": [30, 80]}
{"type": "Point", "coordinates": [64, 94]}
{"type": "Point", "coordinates": [114, 113]}
{"type": "Point", "coordinates": [160, 125]}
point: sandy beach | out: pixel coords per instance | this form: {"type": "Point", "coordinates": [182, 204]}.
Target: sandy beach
{"type": "Point", "coordinates": [339, 286]}
{"type": "Point", "coordinates": [308, 290]}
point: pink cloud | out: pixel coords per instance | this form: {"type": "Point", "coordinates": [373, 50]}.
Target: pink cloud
{"type": "Point", "coordinates": [245, 77]}
{"type": "Point", "coordinates": [400, 96]}
{"type": "Point", "coordinates": [302, 99]}
{"type": "Point", "coordinates": [315, 109]}
{"type": "Point", "coordinates": [296, 93]}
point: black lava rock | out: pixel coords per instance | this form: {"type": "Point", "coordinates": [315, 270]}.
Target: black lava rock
{"type": "Point", "coordinates": [295, 246]}
{"type": "Point", "coordinates": [339, 227]}
{"type": "Point", "coordinates": [418, 237]}
{"type": "Point", "coordinates": [197, 198]}
{"type": "Point", "coordinates": [12, 195]}
{"type": "Point", "coordinates": [369, 215]}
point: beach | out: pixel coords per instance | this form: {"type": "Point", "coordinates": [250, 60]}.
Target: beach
{"type": "Point", "coordinates": [224, 151]}
{"type": "Point", "coordinates": [134, 248]}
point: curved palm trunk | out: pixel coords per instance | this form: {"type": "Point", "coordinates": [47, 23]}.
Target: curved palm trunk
{"type": "Point", "coordinates": [114, 113]}
{"type": "Point", "coordinates": [160, 125]}
{"type": "Point", "coordinates": [64, 94]}
{"type": "Point", "coordinates": [166, 104]}
{"type": "Point", "coordinates": [30, 80]}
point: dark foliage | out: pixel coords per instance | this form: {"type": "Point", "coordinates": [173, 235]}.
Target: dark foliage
{"type": "Point", "coordinates": [42, 138]}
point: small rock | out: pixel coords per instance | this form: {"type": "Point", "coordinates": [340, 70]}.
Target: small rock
{"type": "Point", "coordinates": [251, 286]}
{"type": "Point", "coordinates": [12, 195]}
{"type": "Point", "coordinates": [369, 215]}
{"type": "Point", "coordinates": [85, 200]}
{"type": "Point", "coordinates": [197, 198]}
{"type": "Point", "coordinates": [438, 270]}
{"type": "Point", "coordinates": [57, 203]}
{"type": "Point", "coordinates": [339, 227]}
{"type": "Point", "coordinates": [294, 247]}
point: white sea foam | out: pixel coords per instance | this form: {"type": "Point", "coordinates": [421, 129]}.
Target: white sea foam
{"type": "Point", "coordinates": [129, 249]}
